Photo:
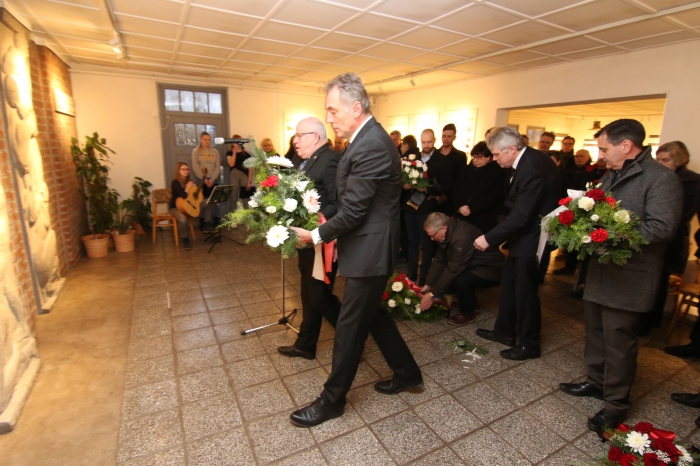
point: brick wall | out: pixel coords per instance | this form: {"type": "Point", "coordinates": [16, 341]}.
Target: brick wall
{"type": "Point", "coordinates": [55, 132]}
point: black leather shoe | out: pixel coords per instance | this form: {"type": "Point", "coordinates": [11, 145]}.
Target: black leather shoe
{"type": "Point", "coordinates": [604, 419]}
{"type": "Point", "coordinates": [520, 353]}
{"type": "Point", "coordinates": [581, 389]}
{"type": "Point", "coordinates": [396, 385]}
{"type": "Point", "coordinates": [685, 351]}
{"type": "Point", "coordinates": [316, 413]}
{"type": "Point", "coordinates": [493, 336]}
{"type": "Point", "coordinates": [293, 352]}
{"type": "Point", "coordinates": [688, 399]}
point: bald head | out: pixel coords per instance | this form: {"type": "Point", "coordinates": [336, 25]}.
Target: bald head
{"type": "Point", "coordinates": [310, 135]}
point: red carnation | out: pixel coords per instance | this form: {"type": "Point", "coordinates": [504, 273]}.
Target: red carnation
{"type": "Point", "coordinates": [611, 201]}
{"type": "Point", "coordinates": [425, 174]}
{"type": "Point", "coordinates": [413, 163]}
{"type": "Point", "coordinates": [599, 235]}
{"type": "Point", "coordinates": [615, 453]}
{"type": "Point", "coordinates": [643, 427]}
{"type": "Point", "coordinates": [564, 201]}
{"type": "Point", "coordinates": [624, 428]}
{"type": "Point", "coordinates": [666, 446]}
{"type": "Point", "coordinates": [566, 217]}
{"type": "Point", "coordinates": [596, 194]}
{"type": "Point", "coordinates": [628, 459]}
{"type": "Point", "coordinates": [385, 296]}
{"type": "Point", "coordinates": [650, 459]}
{"type": "Point", "coordinates": [270, 182]}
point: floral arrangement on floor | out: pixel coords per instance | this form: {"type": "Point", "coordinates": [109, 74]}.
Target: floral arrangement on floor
{"type": "Point", "coordinates": [415, 172]}
{"type": "Point", "coordinates": [466, 346]}
{"type": "Point", "coordinates": [593, 223]}
{"type": "Point", "coordinates": [402, 300]}
{"type": "Point", "coordinates": [643, 445]}
{"type": "Point", "coordinates": [285, 197]}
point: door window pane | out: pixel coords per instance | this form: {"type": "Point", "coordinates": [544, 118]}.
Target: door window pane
{"type": "Point", "coordinates": [214, 103]}
{"type": "Point", "coordinates": [192, 138]}
{"type": "Point", "coordinates": [172, 100]}
{"type": "Point", "coordinates": [211, 129]}
{"type": "Point", "coordinates": [187, 101]}
{"type": "Point", "coordinates": [200, 129]}
{"type": "Point", "coordinates": [200, 102]}
{"type": "Point", "coordinates": [180, 135]}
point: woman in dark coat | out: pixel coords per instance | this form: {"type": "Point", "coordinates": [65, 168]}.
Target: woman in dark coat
{"type": "Point", "coordinates": [479, 191]}
{"type": "Point", "coordinates": [675, 156]}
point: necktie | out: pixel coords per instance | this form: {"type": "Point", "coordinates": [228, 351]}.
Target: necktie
{"type": "Point", "coordinates": [303, 164]}
{"type": "Point", "coordinates": [512, 174]}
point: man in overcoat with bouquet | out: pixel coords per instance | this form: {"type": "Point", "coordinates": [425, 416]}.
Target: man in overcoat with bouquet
{"type": "Point", "coordinates": [616, 295]}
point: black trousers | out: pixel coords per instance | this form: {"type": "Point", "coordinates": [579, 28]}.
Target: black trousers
{"type": "Point", "coordinates": [519, 312]}
{"type": "Point", "coordinates": [317, 301]}
{"type": "Point", "coordinates": [611, 353]}
{"type": "Point", "coordinates": [417, 237]}
{"type": "Point", "coordinates": [465, 285]}
{"type": "Point", "coordinates": [361, 314]}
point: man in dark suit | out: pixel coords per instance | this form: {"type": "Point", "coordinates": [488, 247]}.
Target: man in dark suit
{"type": "Point", "coordinates": [367, 229]}
{"type": "Point", "coordinates": [533, 192]}
{"type": "Point", "coordinates": [320, 165]}
{"type": "Point", "coordinates": [447, 163]}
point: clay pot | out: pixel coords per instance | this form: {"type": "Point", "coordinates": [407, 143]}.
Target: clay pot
{"type": "Point", "coordinates": [96, 246]}
{"type": "Point", "coordinates": [125, 242]}
{"type": "Point", "coordinates": [138, 228]}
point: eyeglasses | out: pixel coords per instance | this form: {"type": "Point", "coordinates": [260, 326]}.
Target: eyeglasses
{"type": "Point", "coordinates": [299, 135]}
{"type": "Point", "coordinates": [432, 237]}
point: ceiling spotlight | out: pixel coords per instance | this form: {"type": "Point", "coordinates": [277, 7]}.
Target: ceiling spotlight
{"type": "Point", "coordinates": [116, 45]}
{"type": "Point", "coordinates": [413, 83]}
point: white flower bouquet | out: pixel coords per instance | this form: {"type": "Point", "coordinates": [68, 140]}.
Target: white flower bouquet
{"type": "Point", "coordinates": [285, 197]}
{"type": "Point", "coordinates": [415, 172]}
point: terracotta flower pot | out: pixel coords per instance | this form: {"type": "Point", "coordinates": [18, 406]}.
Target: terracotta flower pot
{"type": "Point", "coordinates": [96, 246]}
{"type": "Point", "coordinates": [125, 242]}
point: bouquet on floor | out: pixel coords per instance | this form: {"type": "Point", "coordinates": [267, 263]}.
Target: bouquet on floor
{"type": "Point", "coordinates": [415, 172]}
{"type": "Point", "coordinates": [593, 223]}
{"type": "Point", "coordinates": [402, 300]}
{"type": "Point", "coordinates": [285, 197]}
{"type": "Point", "coordinates": [643, 445]}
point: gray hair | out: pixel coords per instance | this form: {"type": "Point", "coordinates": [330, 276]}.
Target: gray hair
{"type": "Point", "coordinates": [317, 126]}
{"type": "Point", "coordinates": [351, 90]}
{"type": "Point", "coordinates": [503, 137]}
{"type": "Point", "coordinates": [436, 220]}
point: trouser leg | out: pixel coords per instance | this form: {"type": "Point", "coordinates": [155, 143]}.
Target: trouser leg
{"type": "Point", "coordinates": [182, 224]}
{"type": "Point", "coordinates": [465, 285]}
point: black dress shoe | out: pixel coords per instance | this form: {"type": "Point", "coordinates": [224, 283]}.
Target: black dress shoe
{"type": "Point", "coordinates": [604, 419]}
{"type": "Point", "coordinates": [688, 399]}
{"type": "Point", "coordinates": [316, 413]}
{"type": "Point", "coordinates": [293, 352]}
{"type": "Point", "coordinates": [396, 385]}
{"type": "Point", "coordinates": [520, 353]}
{"type": "Point", "coordinates": [685, 351]}
{"type": "Point", "coordinates": [581, 389]}
{"type": "Point", "coordinates": [493, 336]}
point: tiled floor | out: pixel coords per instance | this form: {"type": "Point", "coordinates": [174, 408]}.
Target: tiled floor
{"type": "Point", "coordinates": [197, 392]}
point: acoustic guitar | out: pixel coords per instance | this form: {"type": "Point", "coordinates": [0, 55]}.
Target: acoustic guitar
{"type": "Point", "coordinates": [190, 205]}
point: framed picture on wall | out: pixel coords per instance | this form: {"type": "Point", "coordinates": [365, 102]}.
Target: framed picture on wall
{"type": "Point", "coordinates": [534, 133]}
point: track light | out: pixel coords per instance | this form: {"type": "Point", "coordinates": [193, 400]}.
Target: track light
{"type": "Point", "coordinates": [413, 83]}
{"type": "Point", "coordinates": [116, 45]}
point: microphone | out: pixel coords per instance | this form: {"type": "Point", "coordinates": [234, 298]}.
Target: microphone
{"type": "Point", "coordinates": [218, 141]}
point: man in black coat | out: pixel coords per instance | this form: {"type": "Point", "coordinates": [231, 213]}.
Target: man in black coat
{"type": "Point", "coordinates": [533, 192]}
{"type": "Point", "coordinates": [367, 228]}
{"type": "Point", "coordinates": [320, 165]}
{"type": "Point", "coordinates": [447, 163]}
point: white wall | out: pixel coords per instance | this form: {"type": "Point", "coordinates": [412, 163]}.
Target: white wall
{"type": "Point", "coordinates": [124, 110]}
{"type": "Point", "coordinates": [671, 70]}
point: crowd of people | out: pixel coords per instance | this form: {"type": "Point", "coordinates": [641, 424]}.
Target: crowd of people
{"type": "Point", "coordinates": [475, 225]}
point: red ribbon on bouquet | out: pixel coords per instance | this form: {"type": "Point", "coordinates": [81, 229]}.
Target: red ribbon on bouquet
{"type": "Point", "coordinates": [413, 287]}
{"type": "Point", "coordinates": [324, 265]}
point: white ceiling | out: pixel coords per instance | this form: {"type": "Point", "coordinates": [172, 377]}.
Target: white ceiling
{"type": "Point", "coordinates": [304, 43]}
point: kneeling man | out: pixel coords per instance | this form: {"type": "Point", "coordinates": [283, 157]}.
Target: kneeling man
{"type": "Point", "coordinates": [458, 266]}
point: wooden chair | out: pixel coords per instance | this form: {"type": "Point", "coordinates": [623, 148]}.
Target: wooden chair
{"type": "Point", "coordinates": [164, 219]}
{"type": "Point", "coordinates": [688, 296]}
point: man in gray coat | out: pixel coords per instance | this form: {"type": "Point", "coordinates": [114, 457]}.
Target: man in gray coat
{"type": "Point", "coordinates": [616, 296]}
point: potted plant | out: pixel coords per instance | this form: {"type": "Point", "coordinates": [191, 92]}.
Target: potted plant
{"type": "Point", "coordinates": [91, 164]}
{"type": "Point", "coordinates": [122, 233]}
{"type": "Point", "coordinates": [140, 205]}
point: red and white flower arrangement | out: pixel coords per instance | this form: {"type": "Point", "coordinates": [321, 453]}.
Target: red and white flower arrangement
{"type": "Point", "coordinates": [415, 172]}
{"type": "Point", "coordinates": [644, 445]}
{"type": "Point", "coordinates": [402, 300]}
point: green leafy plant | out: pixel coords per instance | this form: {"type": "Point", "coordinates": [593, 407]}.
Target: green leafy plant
{"type": "Point", "coordinates": [140, 203]}
{"type": "Point", "coordinates": [91, 164]}
{"type": "Point", "coordinates": [123, 217]}
{"type": "Point", "coordinates": [402, 300]}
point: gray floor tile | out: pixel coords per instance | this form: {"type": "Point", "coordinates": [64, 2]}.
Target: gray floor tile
{"type": "Point", "coordinates": [226, 448]}
{"type": "Point", "coordinates": [516, 387]}
{"type": "Point", "coordinates": [431, 390]}
{"type": "Point", "coordinates": [406, 437]}
{"type": "Point", "coordinates": [350, 420]}
{"type": "Point", "coordinates": [191, 322]}
{"type": "Point", "coordinates": [450, 372]}
{"type": "Point", "coordinates": [198, 359]}
{"type": "Point", "coordinates": [179, 296]}
{"type": "Point", "coordinates": [372, 405]}
{"type": "Point", "coordinates": [148, 434]}
{"type": "Point", "coordinates": [232, 331]}
{"type": "Point", "coordinates": [250, 297]}
{"type": "Point", "coordinates": [245, 348]}
{"type": "Point", "coordinates": [442, 457]}
{"type": "Point", "coordinates": [275, 437]}
{"type": "Point", "coordinates": [228, 315]}
{"type": "Point", "coordinates": [528, 436]}
{"type": "Point", "coordinates": [485, 448]}
{"type": "Point", "coordinates": [449, 419]}
{"type": "Point", "coordinates": [568, 456]}
{"type": "Point", "coordinates": [559, 417]}
{"type": "Point", "coordinates": [149, 371]}
{"type": "Point", "coordinates": [264, 399]}
{"type": "Point", "coordinates": [544, 374]}
{"type": "Point", "coordinates": [211, 415]}
{"type": "Point", "coordinates": [566, 362]}
{"type": "Point", "coordinates": [251, 371]}
{"type": "Point", "coordinates": [222, 302]}
{"type": "Point", "coordinates": [217, 290]}
{"type": "Point", "coordinates": [173, 457]}
{"type": "Point", "coordinates": [305, 387]}
{"type": "Point", "coordinates": [146, 348]}
{"type": "Point", "coordinates": [194, 339]}
{"type": "Point", "coordinates": [149, 399]}
{"type": "Point", "coordinates": [357, 447]}
{"type": "Point", "coordinates": [264, 308]}
{"type": "Point", "coordinates": [311, 457]}
{"type": "Point", "coordinates": [287, 366]}
{"type": "Point", "coordinates": [204, 384]}
{"type": "Point", "coordinates": [484, 402]}
{"type": "Point", "coordinates": [187, 307]}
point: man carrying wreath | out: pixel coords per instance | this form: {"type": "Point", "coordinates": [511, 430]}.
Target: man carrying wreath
{"type": "Point", "coordinates": [616, 295]}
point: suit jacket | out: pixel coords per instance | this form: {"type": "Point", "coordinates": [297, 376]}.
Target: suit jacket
{"type": "Point", "coordinates": [482, 190]}
{"type": "Point", "coordinates": [367, 222]}
{"type": "Point", "coordinates": [321, 167]}
{"type": "Point", "coordinates": [532, 194]}
{"type": "Point", "coordinates": [654, 193]}
{"type": "Point", "coordinates": [457, 255]}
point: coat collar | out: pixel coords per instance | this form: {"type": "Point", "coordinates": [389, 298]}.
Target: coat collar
{"type": "Point", "coordinates": [633, 168]}
{"type": "Point", "coordinates": [371, 121]}
{"type": "Point", "coordinates": [319, 152]}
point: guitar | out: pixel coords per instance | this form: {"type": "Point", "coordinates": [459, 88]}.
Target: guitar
{"type": "Point", "coordinates": [190, 205]}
